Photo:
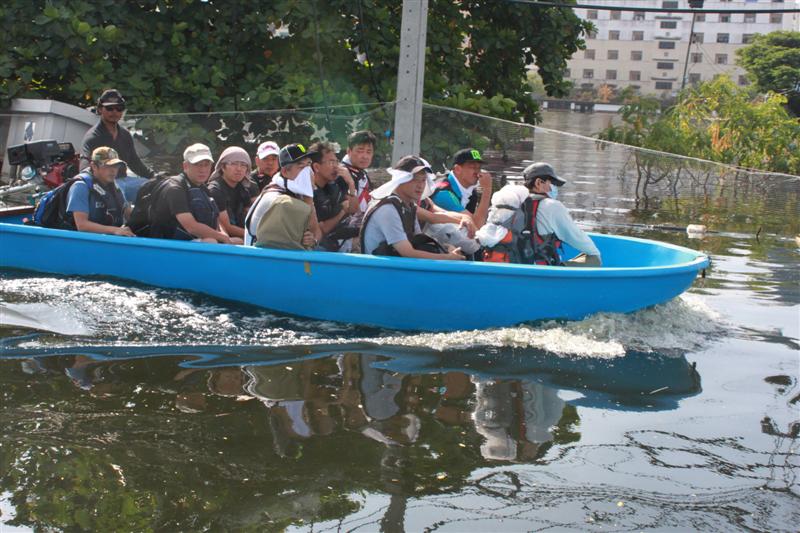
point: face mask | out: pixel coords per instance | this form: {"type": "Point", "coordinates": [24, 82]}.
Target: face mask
{"type": "Point", "coordinates": [553, 192]}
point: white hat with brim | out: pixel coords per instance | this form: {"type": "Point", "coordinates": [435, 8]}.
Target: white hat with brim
{"type": "Point", "coordinates": [267, 149]}
{"type": "Point", "coordinates": [196, 153]}
{"type": "Point", "coordinates": [399, 177]}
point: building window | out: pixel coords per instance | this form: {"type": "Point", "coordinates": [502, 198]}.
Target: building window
{"type": "Point", "coordinates": [638, 36]}
{"type": "Point", "coordinates": [776, 18]}
{"type": "Point", "coordinates": [669, 4]}
{"type": "Point", "coordinates": [638, 15]}
{"type": "Point", "coordinates": [723, 38]}
{"type": "Point", "coordinates": [700, 17]}
{"type": "Point", "coordinates": [616, 15]}
{"type": "Point", "coordinates": [635, 75]}
{"type": "Point", "coordinates": [591, 14]}
{"type": "Point", "coordinates": [664, 65]}
{"type": "Point", "coordinates": [749, 17]}
{"type": "Point", "coordinates": [591, 34]}
{"type": "Point", "coordinates": [613, 35]}
{"type": "Point", "coordinates": [747, 38]}
{"type": "Point", "coordinates": [613, 54]}
{"type": "Point", "coordinates": [721, 59]}
{"type": "Point", "coordinates": [588, 54]}
{"type": "Point", "coordinates": [698, 38]}
{"type": "Point", "coordinates": [586, 86]}
{"type": "Point", "coordinates": [743, 80]}
{"type": "Point", "coordinates": [725, 17]}
{"type": "Point", "coordinates": [697, 58]}
{"type": "Point", "coordinates": [694, 78]}
{"type": "Point", "coordinates": [636, 55]}
{"type": "Point", "coordinates": [588, 73]}
{"type": "Point", "coordinates": [611, 74]}
{"type": "Point", "coordinates": [664, 85]}
{"type": "Point", "coordinates": [567, 73]}
{"type": "Point", "coordinates": [668, 24]}
{"type": "Point", "coordinates": [666, 45]}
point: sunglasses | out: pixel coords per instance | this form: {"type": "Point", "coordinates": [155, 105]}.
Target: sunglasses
{"type": "Point", "coordinates": [117, 108]}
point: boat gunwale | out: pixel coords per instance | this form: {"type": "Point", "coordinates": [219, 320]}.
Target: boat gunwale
{"type": "Point", "coordinates": [398, 263]}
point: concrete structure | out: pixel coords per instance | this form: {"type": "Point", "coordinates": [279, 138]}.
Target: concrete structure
{"type": "Point", "coordinates": [648, 50]}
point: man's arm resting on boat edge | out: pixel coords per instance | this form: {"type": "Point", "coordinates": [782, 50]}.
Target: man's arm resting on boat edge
{"type": "Point", "coordinates": [200, 230]}
{"type": "Point", "coordinates": [405, 249]}
{"type": "Point", "coordinates": [82, 223]}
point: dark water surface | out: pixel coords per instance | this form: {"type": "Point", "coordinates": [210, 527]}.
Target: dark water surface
{"type": "Point", "coordinates": [130, 408]}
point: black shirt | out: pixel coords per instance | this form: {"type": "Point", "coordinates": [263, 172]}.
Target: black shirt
{"type": "Point", "coordinates": [261, 180]}
{"type": "Point", "coordinates": [234, 200]}
{"type": "Point", "coordinates": [328, 199]}
{"type": "Point", "coordinates": [173, 199]}
{"type": "Point", "coordinates": [98, 135]}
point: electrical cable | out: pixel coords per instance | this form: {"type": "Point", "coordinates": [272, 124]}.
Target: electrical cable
{"type": "Point", "coordinates": [537, 3]}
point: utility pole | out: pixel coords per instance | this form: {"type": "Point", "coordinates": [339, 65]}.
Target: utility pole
{"type": "Point", "coordinates": [410, 79]}
{"type": "Point", "coordinates": [694, 4]}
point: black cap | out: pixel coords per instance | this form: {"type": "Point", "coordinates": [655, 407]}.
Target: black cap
{"type": "Point", "coordinates": [111, 97]}
{"type": "Point", "coordinates": [466, 155]}
{"type": "Point", "coordinates": [292, 153]}
{"type": "Point", "coordinates": [541, 170]}
{"type": "Point", "coordinates": [413, 164]}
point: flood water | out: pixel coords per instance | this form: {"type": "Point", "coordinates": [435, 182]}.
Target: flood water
{"type": "Point", "coordinates": [130, 408]}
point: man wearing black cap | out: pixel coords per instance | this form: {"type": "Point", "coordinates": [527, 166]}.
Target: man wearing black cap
{"type": "Point", "coordinates": [108, 132]}
{"type": "Point", "coordinates": [283, 216]}
{"type": "Point", "coordinates": [545, 223]}
{"type": "Point", "coordinates": [458, 192]}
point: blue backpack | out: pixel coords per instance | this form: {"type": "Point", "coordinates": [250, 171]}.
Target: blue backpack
{"type": "Point", "coordinates": [51, 209]}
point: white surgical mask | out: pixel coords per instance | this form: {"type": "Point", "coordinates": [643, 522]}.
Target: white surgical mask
{"type": "Point", "coordinates": [553, 192]}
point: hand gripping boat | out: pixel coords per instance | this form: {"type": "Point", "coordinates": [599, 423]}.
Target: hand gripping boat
{"type": "Point", "coordinates": [391, 292]}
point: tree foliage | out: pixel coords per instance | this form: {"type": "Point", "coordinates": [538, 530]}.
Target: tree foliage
{"type": "Point", "coordinates": [773, 61]}
{"type": "Point", "coordinates": [171, 56]}
{"type": "Point", "coordinates": [717, 121]}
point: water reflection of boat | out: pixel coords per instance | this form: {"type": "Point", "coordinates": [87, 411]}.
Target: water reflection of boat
{"type": "Point", "coordinates": [637, 273]}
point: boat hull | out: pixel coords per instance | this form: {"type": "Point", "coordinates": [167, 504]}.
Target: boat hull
{"type": "Point", "coordinates": [407, 294]}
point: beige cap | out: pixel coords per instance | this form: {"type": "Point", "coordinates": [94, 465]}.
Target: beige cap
{"type": "Point", "coordinates": [196, 153]}
{"type": "Point", "coordinates": [105, 156]}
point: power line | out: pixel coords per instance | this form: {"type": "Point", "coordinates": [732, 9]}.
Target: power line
{"type": "Point", "coordinates": [537, 3]}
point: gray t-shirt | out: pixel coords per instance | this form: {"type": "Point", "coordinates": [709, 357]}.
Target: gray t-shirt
{"type": "Point", "coordinates": [385, 225]}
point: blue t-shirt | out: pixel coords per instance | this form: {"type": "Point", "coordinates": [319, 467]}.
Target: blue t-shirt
{"type": "Point", "coordinates": [449, 200]}
{"type": "Point", "coordinates": [78, 199]}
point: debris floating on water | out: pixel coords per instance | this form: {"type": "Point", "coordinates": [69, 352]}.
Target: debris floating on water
{"type": "Point", "coordinates": [695, 231]}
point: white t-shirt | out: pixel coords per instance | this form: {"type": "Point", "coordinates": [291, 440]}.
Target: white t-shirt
{"type": "Point", "coordinates": [554, 217]}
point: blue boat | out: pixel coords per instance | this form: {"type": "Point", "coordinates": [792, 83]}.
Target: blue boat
{"type": "Point", "coordinates": [390, 292]}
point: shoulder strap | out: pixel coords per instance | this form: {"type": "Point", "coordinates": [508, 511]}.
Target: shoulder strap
{"type": "Point", "coordinates": [398, 205]}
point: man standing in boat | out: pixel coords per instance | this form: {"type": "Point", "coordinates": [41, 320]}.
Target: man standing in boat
{"type": "Point", "coordinates": [95, 202]}
{"type": "Point", "coordinates": [458, 192]}
{"type": "Point", "coordinates": [182, 208]}
{"type": "Point", "coordinates": [532, 231]}
{"type": "Point", "coordinates": [108, 132]}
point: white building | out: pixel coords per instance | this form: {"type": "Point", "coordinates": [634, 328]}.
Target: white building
{"type": "Point", "coordinates": [649, 50]}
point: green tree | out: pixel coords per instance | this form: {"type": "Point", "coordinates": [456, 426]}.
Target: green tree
{"type": "Point", "coordinates": [773, 61]}
{"type": "Point", "coordinates": [191, 55]}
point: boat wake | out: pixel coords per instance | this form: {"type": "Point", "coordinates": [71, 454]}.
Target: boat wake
{"type": "Point", "coordinates": [72, 312]}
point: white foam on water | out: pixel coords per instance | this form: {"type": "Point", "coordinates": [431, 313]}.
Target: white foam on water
{"type": "Point", "coordinates": [685, 323]}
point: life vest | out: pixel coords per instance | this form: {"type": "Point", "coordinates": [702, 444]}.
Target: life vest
{"type": "Point", "coordinates": [363, 184]}
{"type": "Point", "coordinates": [408, 217]}
{"type": "Point", "coordinates": [447, 185]}
{"type": "Point", "coordinates": [529, 246]}
{"type": "Point", "coordinates": [272, 187]}
{"type": "Point", "coordinates": [106, 205]}
{"type": "Point", "coordinates": [202, 207]}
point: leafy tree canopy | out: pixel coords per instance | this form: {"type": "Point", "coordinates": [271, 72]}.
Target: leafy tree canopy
{"type": "Point", "coordinates": [717, 121]}
{"type": "Point", "coordinates": [772, 60]}
{"type": "Point", "coordinates": [209, 55]}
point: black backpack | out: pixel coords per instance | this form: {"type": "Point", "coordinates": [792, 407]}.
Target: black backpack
{"type": "Point", "coordinates": [142, 213]}
{"type": "Point", "coordinates": [51, 209]}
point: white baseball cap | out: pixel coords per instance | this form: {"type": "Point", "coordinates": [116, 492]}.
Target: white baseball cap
{"type": "Point", "coordinates": [266, 149]}
{"type": "Point", "coordinates": [196, 153]}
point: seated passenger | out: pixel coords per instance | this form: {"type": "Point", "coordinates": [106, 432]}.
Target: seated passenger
{"type": "Point", "coordinates": [282, 217]}
{"type": "Point", "coordinates": [527, 224]}
{"type": "Point", "coordinates": [457, 192]}
{"type": "Point", "coordinates": [390, 224]}
{"type": "Point", "coordinates": [335, 199]}
{"type": "Point", "coordinates": [229, 187]}
{"type": "Point", "coordinates": [266, 164]}
{"type": "Point", "coordinates": [95, 202]}
{"type": "Point", "coordinates": [360, 150]}
{"type": "Point", "coordinates": [182, 208]}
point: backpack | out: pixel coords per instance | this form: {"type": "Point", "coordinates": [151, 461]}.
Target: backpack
{"type": "Point", "coordinates": [142, 213]}
{"type": "Point", "coordinates": [51, 209]}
